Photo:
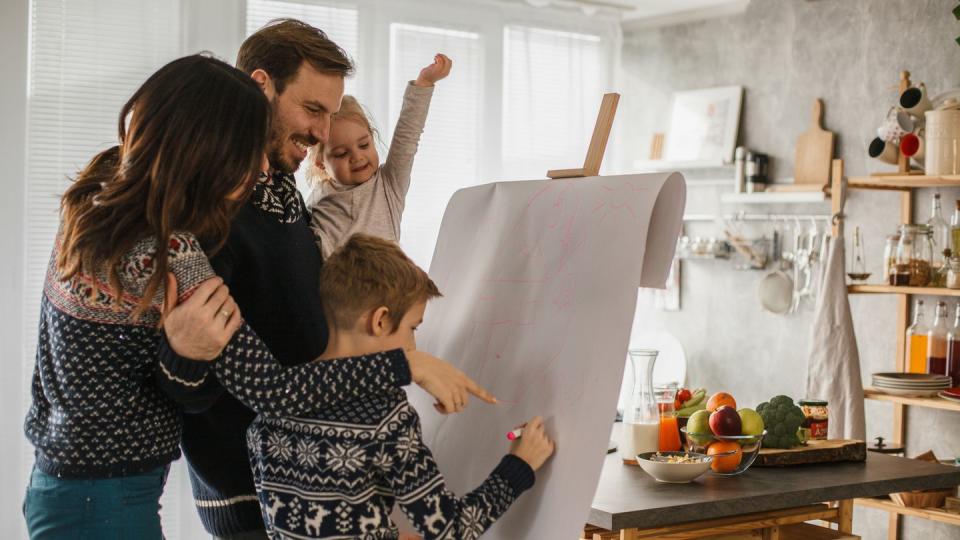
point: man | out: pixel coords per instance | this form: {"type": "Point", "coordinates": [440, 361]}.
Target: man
{"type": "Point", "coordinates": [271, 264]}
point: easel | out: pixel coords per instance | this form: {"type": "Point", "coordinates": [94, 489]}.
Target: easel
{"type": "Point", "coordinates": [598, 142]}
{"type": "Point", "coordinates": [903, 162]}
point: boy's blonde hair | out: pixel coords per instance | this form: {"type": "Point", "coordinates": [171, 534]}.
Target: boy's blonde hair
{"type": "Point", "coordinates": [350, 109]}
{"type": "Point", "coordinates": [368, 272]}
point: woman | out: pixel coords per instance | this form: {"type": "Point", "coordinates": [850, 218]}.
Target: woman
{"type": "Point", "coordinates": [192, 142]}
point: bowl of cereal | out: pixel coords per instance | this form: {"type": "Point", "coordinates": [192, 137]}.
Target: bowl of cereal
{"type": "Point", "coordinates": [674, 467]}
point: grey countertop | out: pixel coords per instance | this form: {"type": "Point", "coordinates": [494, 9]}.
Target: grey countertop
{"type": "Point", "coordinates": [627, 497]}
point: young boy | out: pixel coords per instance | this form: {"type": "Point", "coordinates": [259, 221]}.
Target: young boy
{"type": "Point", "coordinates": [338, 474]}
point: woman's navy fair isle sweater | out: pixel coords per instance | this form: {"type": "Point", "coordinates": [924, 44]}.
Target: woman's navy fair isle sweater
{"type": "Point", "coordinates": [97, 410]}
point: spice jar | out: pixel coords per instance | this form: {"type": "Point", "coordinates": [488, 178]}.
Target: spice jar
{"type": "Point", "coordinates": [890, 257]}
{"type": "Point", "coordinates": [953, 273]}
{"type": "Point", "coordinates": [816, 417]}
{"type": "Point", "coordinates": [914, 255]}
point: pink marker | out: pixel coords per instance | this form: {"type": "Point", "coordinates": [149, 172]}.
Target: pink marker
{"type": "Point", "coordinates": [515, 434]}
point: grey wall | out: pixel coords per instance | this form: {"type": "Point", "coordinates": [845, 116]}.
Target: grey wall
{"type": "Point", "coordinates": [785, 53]}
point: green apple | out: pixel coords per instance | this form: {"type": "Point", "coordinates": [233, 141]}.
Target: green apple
{"type": "Point", "coordinates": [751, 422]}
{"type": "Point", "coordinates": [699, 424]}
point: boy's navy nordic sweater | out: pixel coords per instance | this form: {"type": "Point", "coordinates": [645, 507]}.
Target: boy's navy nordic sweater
{"type": "Point", "coordinates": [272, 265]}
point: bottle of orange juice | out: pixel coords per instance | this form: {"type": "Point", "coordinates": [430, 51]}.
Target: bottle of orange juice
{"type": "Point", "coordinates": [669, 428]}
{"type": "Point", "coordinates": [917, 342]}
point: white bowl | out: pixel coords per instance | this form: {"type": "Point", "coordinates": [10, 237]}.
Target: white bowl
{"type": "Point", "coordinates": [673, 473]}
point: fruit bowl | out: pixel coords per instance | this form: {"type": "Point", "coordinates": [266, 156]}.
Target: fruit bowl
{"type": "Point", "coordinates": [662, 469]}
{"type": "Point", "coordinates": [732, 454]}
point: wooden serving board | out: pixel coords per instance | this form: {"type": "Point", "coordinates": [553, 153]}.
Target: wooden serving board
{"type": "Point", "coordinates": [827, 451]}
{"type": "Point", "coordinates": [814, 152]}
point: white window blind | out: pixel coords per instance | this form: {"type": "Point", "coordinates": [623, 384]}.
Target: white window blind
{"type": "Point", "coordinates": [337, 20]}
{"type": "Point", "coordinates": [86, 58]}
{"type": "Point", "coordinates": [448, 157]}
{"type": "Point", "coordinates": [552, 85]}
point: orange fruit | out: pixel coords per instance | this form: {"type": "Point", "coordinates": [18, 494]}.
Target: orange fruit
{"type": "Point", "coordinates": [719, 400]}
{"type": "Point", "coordinates": [725, 464]}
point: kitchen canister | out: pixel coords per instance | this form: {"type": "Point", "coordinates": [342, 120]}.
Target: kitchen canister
{"type": "Point", "coordinates": [942, 142]}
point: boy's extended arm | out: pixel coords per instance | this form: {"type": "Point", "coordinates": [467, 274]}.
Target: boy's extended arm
{"type": "Point", "coordinates": [433, 509]}
{"type": "Point", "coordinates": [247, 369]}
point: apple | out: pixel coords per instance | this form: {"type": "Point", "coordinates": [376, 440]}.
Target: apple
{"type": "Point", "coordinates": [750, 421]}
{"type": "Point", "coordinates": [698, 428]}
{"type": "Point", "coordinates": [699, 423]}
{"type": "Point", "coordinates": [725, 421]}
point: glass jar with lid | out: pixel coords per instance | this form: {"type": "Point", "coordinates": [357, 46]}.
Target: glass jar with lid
{"type": "Point", "coordinates": [816, 417]}
{"type": "Point", "coordinates": [914, 256]}
{"type": "Point", "coordinates": [953, 273]}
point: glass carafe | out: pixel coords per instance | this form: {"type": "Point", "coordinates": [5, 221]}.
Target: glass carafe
{"type": "Point", "coordinates": [641, 420]}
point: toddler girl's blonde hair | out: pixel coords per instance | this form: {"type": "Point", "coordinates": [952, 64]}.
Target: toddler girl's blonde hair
{"type": "Point", "coordinates": [350, 109]}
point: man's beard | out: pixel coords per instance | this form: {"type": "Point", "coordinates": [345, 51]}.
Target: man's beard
{"type": "Point", "coordinates": [277, 137]}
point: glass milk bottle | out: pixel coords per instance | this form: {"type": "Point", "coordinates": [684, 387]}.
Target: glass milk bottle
{"type": "Point", "coordinates": [641, 420]}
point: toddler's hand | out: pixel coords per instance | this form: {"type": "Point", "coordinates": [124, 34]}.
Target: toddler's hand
{"type": "Point", "coordinates": [436, 71]}
{"type": "Point", "coordinates": [533, 446]}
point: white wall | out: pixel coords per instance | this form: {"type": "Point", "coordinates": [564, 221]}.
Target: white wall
{"type": "Point", "coordinates": [13, 105]}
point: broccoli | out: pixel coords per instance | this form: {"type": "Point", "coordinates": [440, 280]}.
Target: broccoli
{"type": "Point", "coordinates": [782, 419]}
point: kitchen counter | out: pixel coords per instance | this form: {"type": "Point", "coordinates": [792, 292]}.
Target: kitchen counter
{"type": "Point", "coordinates": [627, 497]}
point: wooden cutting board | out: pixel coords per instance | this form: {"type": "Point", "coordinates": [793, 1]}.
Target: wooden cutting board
{"type": "Point", "coordinates": [811, 164]}
{"type": "Point", "coordinates": [814, 452]}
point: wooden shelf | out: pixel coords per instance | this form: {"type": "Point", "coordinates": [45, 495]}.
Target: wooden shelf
{"type": "Point", "coordinates": [890, 289]}
{"type": "Point", "coordinates": [903, 182]}
{"type": "Point", "coordinates": [928, 402]}
{"type": "Point", "coordinates": [933, 514]}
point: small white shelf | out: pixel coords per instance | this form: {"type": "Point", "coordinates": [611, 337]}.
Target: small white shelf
{"type": "Point", "coordinates": [660, 165]}
{"type": "Point", "coordinates": [775, 197]}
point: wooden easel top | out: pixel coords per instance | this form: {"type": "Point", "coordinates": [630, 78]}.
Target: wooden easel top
{"type": "Point", "coordinates": [598, 142]}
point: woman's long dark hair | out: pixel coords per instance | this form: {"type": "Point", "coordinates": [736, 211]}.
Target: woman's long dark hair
{"type": "Point", "coordinates": [190, 137]}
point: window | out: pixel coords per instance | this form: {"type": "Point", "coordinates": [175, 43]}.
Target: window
{"type": "Point", "coordinates": [448, 157]}
{"type": "Point", "coordinates": [552, 85]}
{"type": "Point", "coordinates": [86, 58]}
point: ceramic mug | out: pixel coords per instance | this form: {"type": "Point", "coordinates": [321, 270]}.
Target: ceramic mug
{"type": "Point", "coordinates": [912, 145]}
{"type": "Point", "coordinates": [886, 152]}
{"type": "Point", "coordinates": [908, 122]}
{"type": "Point", "coordinates": [891, 130]}
{"type": "Point", "coordinates": [915, 101]}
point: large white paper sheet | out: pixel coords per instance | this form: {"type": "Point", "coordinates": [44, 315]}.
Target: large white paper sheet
{"type": "Point", "coordinates": [540, 285]}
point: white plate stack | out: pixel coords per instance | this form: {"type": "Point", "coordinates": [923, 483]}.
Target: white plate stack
{"type": "Point", "coordinates": [911, 384]}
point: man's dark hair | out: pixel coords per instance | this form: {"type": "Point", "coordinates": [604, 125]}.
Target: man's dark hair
{"type": "Point", "coordinates": [282, 45]}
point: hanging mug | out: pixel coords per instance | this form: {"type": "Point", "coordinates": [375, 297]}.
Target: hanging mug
{"type": "Point", "coordinates": [886, 152]}
{"type": "Point", "coordinates": [915, 101]}
{"type": "Point", "coordinates": [912, 146]}
{"type": "Point", "coordinates": [891, 130]}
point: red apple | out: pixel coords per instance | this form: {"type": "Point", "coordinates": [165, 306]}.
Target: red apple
{"type": "Point", "coordinates": [725, 422]}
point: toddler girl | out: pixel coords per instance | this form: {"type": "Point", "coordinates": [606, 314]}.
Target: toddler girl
{"type": "Point", "coordinates": [353, 192]}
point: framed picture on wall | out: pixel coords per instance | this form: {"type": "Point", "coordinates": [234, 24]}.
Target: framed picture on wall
{"type": "Point", "coordinates": [703, 125]}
